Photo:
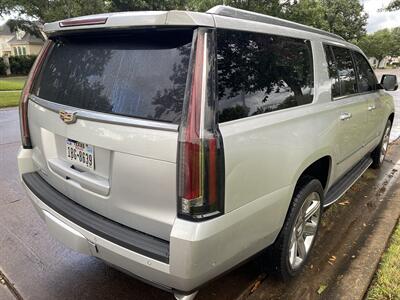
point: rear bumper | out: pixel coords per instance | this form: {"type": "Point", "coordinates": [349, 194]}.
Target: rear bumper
{"type": "Point", "coordinates": [195, 253]}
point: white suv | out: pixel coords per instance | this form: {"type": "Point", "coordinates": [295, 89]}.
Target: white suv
{"type": "Point", "coordinates": [174, 145]}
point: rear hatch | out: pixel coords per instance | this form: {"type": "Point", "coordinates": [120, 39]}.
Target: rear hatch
{"type": "Point", "coordinates": [103, 119]}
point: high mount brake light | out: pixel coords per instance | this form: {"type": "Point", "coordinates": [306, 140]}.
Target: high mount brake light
{"type": "Point", "coordinates": [83, 21]}
{"type": "Point", "coordinates": [201, 157]}
{"type": "Point", "coordinates": [23, 103]}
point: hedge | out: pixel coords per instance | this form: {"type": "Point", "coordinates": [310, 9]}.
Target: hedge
{"type": "Point", "coordinates": [3, 67]}
{"type": "Point", "coordinates": [21, 65]}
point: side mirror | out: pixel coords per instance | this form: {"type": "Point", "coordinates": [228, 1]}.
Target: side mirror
{"type": "Point", "coordinates": [389, 82]}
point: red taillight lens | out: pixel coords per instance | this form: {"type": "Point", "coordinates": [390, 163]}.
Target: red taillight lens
{"type": "Point", "coordinates": [201, 160]}
{"type": "Point", "coordinates": [23, 103]}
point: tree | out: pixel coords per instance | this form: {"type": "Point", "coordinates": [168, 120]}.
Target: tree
{"type": "Point", "coordinates": [134, 5]}
{"type": "Point", "coordinates": [31, 13]}
{"type": "Point", "coordinates": [396, 41]}
{"type": "Point", "coordinates": [345, 18]}
{"type": "Point", "coordinates": [381, 43]}
{"type": "Point", "coordinates": [393, 5]}
{"type": "Point", "coordinates": [51, 10]}
{"type": "Point", "coordinates": [308, 12]}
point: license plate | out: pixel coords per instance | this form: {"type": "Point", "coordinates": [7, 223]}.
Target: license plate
{"type": "Point", "coordinates": [80, 154]}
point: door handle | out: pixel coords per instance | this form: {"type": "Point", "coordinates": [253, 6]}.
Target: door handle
{"type": "Point", "coordinates": [345, 116]}
{"type": "Point", "coordinates": [371, 107]}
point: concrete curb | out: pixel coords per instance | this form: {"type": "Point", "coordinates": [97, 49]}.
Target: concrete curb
{"type": "Point", "coordinates": [355, 282]}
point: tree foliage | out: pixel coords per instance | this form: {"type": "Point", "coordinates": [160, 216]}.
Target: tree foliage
{"type": "Point", "coordinates": [381, 43]}
{"type": "Point", "coordinates": [31, 13]}
{"type": "Point", "coordinates": [137, 5]}
{"type": "Point", "coordinates": [393, 5]}
{"type": "Point", "coordinates": [308, 12]}
{"type": "Point", "coordinates": [343, 17]}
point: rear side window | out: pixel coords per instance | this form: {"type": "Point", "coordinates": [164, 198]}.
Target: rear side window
{"type": "Point", "coordinates": [333, 71]}
{"type": "Point", "coordinates": [365, 75]}
{"type": "Point", "coordinates": [260, 73]}
{"type": "Point", "coordinates": [140, 74]}
{"type": "Point", "coordinates": [343, 64]}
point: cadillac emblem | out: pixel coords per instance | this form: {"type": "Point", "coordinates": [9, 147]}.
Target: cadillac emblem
{"type": "Point", "coordinates": [67, 117]}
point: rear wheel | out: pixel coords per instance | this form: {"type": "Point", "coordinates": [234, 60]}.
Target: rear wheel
{"type": "Point", "coordinates": [378, 155]}
{"type": "Point", "coordinates": [294, 243]}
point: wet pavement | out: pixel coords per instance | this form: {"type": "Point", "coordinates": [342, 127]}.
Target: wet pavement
{"type": "Point", "coordinates": [396, 95]}
{"type": "Point", "coordinates": [37, 266]}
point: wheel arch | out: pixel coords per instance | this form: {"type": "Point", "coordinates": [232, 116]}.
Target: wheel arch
{"type": "Point", "coordinates": [319, 167]}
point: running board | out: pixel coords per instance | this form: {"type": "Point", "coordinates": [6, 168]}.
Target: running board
{"type": "Point", "coordinates": [340, 187]}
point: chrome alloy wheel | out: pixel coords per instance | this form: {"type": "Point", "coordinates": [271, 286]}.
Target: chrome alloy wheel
{"type": "Point", "coordinates": [385, 144]}
{"type": "Point", "coordinates": [304, 230]}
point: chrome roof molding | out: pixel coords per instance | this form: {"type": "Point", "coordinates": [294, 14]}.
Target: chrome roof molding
{"type": "Point", "coordinates": [228, 11]}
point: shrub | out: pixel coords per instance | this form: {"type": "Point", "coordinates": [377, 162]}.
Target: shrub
{"type": "Point", "coordinates": [21, 65]}
{"type": "Point", "coordinates": [3, 67]}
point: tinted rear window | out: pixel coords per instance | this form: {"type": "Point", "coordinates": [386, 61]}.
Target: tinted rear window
{"type": "Point", "coordinates": [141, 74]}
{"type": "Point", "coordinates": [345, 68]}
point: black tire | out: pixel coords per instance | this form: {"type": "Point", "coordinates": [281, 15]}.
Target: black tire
{"type": "Point", "coordinates": [377, 155]}
{"type": "Point", "coordinates": [280, 250]}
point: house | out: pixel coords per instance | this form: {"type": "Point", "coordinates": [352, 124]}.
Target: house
{"type": "Point", "coordinates": [387, 61]}
{"type": "Point", "coordinates": [18, 43]}
{"type": "Point", "coordinates": [5, 36]}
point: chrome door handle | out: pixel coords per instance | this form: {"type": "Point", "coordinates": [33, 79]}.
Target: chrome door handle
{"type": "Point", "coordinates": [345, 116]}
{"type": "Point", "coordinates": [371, 107]}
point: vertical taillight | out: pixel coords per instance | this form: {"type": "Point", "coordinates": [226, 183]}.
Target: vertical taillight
{"type": "Point", "coordinates": [201, 170]}
{"type": "Point", "coordinates": [23, 103]}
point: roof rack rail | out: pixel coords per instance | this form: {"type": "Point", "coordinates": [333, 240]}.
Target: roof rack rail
{"type": "Point", "coordinates": [228, 11]}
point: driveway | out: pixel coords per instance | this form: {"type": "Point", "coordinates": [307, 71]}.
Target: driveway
{"type": "Point", "coordinates": [33, 265]}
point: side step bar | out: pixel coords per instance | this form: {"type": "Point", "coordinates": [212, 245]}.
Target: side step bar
{"type": "Point", "coordinates": [344, 183]}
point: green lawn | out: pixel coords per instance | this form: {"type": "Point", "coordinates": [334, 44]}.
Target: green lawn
{"type": "Point", "coordinates": [8, 99]}
{"type": "Point", "coordinates": [12, 83]}
{"type": "Point", "coordinates": [387, 279]}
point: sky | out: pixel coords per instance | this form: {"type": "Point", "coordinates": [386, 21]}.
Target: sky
{"type": "Point", "coordinates": [376, 21]}
{"type": "Point", "coordinates": [380, 20]}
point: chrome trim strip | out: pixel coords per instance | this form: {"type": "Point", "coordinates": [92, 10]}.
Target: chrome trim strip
{"type": "Point", "coordinates": [353, 95]}
{"type": "Point", "coordinates": [232, 12]}
{"type": "Point", "coordinates": [104, 117]}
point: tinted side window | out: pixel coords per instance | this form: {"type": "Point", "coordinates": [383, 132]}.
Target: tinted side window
{"type": "Point", "coordinates": [259, 73]}
{"type": "Point", "coordinates": [347, 75]}
{"type": "Point", "coordinates": [332, 71]}
{"type": "Point", "coordinates": [365, 75]}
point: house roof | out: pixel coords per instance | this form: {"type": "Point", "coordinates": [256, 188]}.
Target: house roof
{"type": "Point", "coordinates": [26, 39]}
{"type": "Point", "coordinates": [5, 30]}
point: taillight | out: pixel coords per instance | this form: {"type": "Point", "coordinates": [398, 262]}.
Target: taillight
{"type": "Point", "coordinates": [201, 170]}
{"type": "Point", "coordinates": [23, 103]}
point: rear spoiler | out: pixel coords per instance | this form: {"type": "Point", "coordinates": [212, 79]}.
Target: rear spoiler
{"type": "Point", "coordinates": [132, 19]}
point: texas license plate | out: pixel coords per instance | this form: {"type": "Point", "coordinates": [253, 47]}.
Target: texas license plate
{"type": "Point", "coordinates": [80, 154]}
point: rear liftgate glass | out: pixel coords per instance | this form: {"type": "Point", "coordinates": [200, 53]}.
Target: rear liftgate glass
{"type": "Point", "coordinates": [201, 169]}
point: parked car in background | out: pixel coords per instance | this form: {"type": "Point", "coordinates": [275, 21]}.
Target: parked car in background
{"type": "Point", "coordinates": [175, 145]}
